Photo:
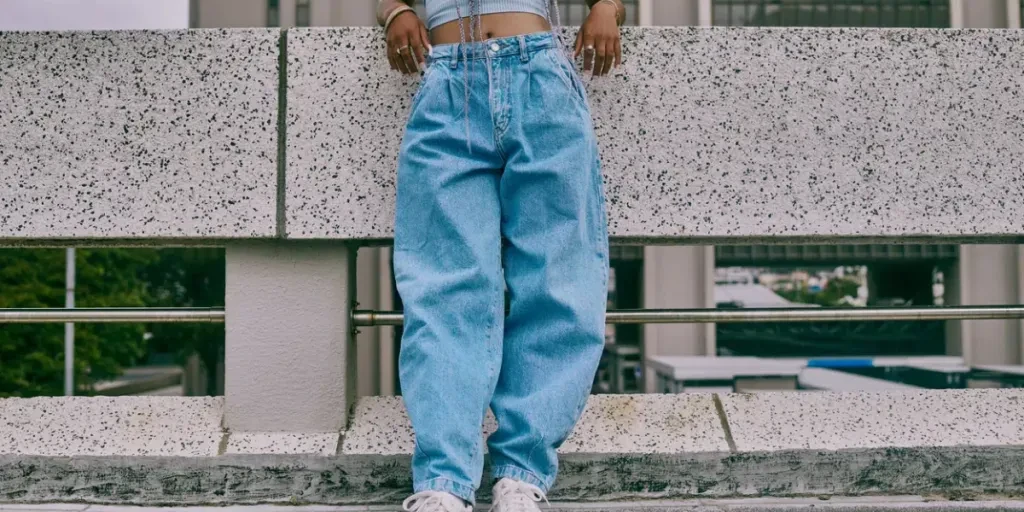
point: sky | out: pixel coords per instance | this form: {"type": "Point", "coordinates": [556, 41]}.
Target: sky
{"type": "Point", "coordinates": [93, 14]}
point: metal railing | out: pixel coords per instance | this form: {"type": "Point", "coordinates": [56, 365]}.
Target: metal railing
{"type": "Point", "coordinates": [111, 315]}
{"type": "Point", "coordinates": [362, 318]}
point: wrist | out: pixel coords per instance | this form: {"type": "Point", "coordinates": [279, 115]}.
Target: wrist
{"type": "Point", "coordinates": [394, 14]}
{"type": "Point", "coordinates": [613, 7]}
{"type": "Point", "coordinates": [385, 8]}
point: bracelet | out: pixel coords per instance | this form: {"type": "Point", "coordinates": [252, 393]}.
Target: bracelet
{"type": "Point", "coordinates": [394, 14]}
{"type": "Point", "coordinates": [618, 20]}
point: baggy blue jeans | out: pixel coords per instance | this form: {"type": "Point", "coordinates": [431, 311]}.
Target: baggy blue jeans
{"type": "Point", "coordinates": [520, 204]}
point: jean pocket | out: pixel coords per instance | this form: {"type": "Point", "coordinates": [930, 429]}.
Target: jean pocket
{"type": "Point", "coordinates": [563, 67]}
{"type": "Point", "coordinates": [425, 81]}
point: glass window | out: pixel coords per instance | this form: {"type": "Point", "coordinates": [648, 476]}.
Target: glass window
{"type": "Point", "coordinates": [302, 14]}
{"type": "Point", "coordinates": [832, 13]}
{"type": "Point", "coordinates": [273, 13]}
{"type": "Point", "coordinates": [573, 12]}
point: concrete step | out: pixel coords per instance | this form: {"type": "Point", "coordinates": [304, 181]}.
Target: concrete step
{"type": "Point", "coordinates": [870, 504]}
{"type": "Point", "coordinates": [948, 444]}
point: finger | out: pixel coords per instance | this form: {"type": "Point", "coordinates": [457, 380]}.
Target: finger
{"type": "Point", "coordinates": [618, 52]}
{"type": "Point", "coordinates": [390, 52]}
{"type": "Point", "coordinates": [409, 55]}
{"type": "Point", "coordinates": [588, 54]}
{"type": "Point", "coordinates": [599, 59]}
{"type": "Point", "coordinates": [401, 49]}
{"type": "Point", "coordinates": [579, 45]}
{"type": "Point", "coordinates": [417, 51]}
{"type": "Point", "coordinates": [609, 56]}
{"type": "Point", "coordinates": [425, 37]}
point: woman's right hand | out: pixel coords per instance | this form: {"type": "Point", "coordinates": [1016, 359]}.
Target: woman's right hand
{"type": "Point", "coordinates": [408, 43]}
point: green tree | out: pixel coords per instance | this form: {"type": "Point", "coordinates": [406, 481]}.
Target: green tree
{"type": "Point", "coordinates": [189, 277]}
{"type": "Point", "coordinates": [32, 356]}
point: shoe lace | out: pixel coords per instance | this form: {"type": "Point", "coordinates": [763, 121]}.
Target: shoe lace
{"type": "Point", "coordinates": [517, 496]}
{"type": "Point", "coordinates": [433, 501]}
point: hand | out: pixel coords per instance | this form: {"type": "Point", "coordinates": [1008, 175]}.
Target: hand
{"type": "Point", "coordinates": [408, 43]}
{"type": "Point", "coordinates": [599, 40]}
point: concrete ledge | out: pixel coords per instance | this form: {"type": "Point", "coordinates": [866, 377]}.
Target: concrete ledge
{"type": "Point", "coordinates": [873, 504]}
{"type": "Point", "coordinates": [129, 135]}
{"type": "Point", "coordinates": [754, 134]}
{"type": "Point", "coordinates": [110, 426]}
{"type": "Point", "coordinates": [165, 450]}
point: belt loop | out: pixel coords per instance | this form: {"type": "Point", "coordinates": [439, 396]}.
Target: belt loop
{"type": "Point", "coordinates": [524, 56]}
{"type": "Point", "coordinates": [455, 56]}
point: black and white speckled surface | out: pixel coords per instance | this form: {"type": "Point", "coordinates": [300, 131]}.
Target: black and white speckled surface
{"type": "Point", "coordinates": [291, 443]}
{"type": "Point", "coordinates": [843, 421]}
{"type": "Point", "coordinates": [138, 134]}
{"type": "Point", "coordinates": [610, 424]}
{"type": "Point", "coordinates": [716, 133]}
{"type": "Point", "coordinates": [111, 426]}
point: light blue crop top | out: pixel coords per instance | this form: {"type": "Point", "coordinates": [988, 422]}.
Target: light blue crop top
{"type": "Point", "coordinates": [440, 12]}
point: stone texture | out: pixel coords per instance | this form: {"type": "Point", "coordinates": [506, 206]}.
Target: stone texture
{"type": "Point", "coordinates": [809, 133]}
{"type": "Point", "coordinates": [380, 426]}
{"type": "Point", "coordinates": [841, 421]}
{"type": "Point", "coordinates": [169, 134]}
{"type": "Point", "coordinates": [874, 504]}
{"type": "Point", "coordinates": [684, 423]}
{"type": "Point", "coordinates": [622, 424]}
{"type": "Point", "coordinates": [285, 443]}
{"type": "Point", "coordinates": [109, 426]}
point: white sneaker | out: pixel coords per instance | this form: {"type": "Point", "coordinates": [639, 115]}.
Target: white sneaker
{"type": "Point", "coordinates": [514, 496]}
{"type": "Point", "coordinates": [435, 501]}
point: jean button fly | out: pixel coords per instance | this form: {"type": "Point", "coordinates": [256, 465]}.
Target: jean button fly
{"type": "Point", "coordinates": [495, 47]}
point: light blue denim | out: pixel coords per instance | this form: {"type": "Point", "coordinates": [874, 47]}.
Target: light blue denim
{"type": "Point", "coordinates": [521, 205]}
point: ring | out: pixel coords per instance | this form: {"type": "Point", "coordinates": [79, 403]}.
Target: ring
{"type": "Point", "coordinates": [402, 49]}
{"type": "Point", "coordinates": [591, 48]}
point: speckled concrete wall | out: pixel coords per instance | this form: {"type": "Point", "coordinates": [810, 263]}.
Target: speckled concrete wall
{"type": "Point", "coordinates": [707, 135]}
{"type": "Point", "coordinates": [138, 134]}
{"type": "Point", "coordinates": [156, 450]}
{"type": "Point", "coordinates": [716, 134]}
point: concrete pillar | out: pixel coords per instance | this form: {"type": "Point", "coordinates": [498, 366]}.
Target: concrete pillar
{"type": "Point", "coordinates": [984, 14]}
{"type": "Point", "coordinates": [1014, 13]}
{"type": "Point", "coordinates": [990, 274]}
{"type": "Point", "coordinates": [678, 277]}
{"type": "Point", "coordinates": [355, 13]}
{"type": "Point", "coordinates": [288, 336]}
{"type": "Point", "coordinates": [229, 13]}
{"type": "Point", "coordinates": [675, 12]}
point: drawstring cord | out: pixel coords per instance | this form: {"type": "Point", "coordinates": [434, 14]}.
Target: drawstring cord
{"type": "Point", "coordinates": [476, 16]}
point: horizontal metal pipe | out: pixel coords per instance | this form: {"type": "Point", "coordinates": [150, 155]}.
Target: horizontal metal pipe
{"type": "Point", "coordinates": [696, 316]}
{"type": "Point", "coordinates": [639, 316]}
{"type": "Point", "coordinates": [111, 315]}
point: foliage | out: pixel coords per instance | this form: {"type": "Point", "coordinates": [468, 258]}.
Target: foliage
{"type": "Point", "coordinates": [32, 356]}
{"type": "Point", "coordinates": [191, 277]}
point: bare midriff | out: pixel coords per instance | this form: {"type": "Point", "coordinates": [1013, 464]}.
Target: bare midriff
{"type": "Point", "coordinates": [491, 26]}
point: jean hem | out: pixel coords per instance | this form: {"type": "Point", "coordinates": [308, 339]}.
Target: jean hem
{"type": "Point", "coordinates": [462, 491]}
{"type": "Point", "coordinates": [522, 475]}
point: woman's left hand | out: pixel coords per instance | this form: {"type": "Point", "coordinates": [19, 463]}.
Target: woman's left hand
{"type": "Point", "coordinates": [598, 39]}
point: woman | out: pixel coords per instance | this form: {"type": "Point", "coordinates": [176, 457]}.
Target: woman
{"type": "Point", "coordinates": [499, 188]}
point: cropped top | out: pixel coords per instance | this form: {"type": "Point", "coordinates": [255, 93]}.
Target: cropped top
{"type": "Point", "coordinates": [440, 12]}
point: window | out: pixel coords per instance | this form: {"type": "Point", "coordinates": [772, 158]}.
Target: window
{"type": "Point", "coordinates": [302, 14]}
{"type": "Point", "coordinates": [573, 12]}
{"type": "Point", "coordinates": [832, 13]}
{"type": "Point", "coordinates": [273, 13]}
